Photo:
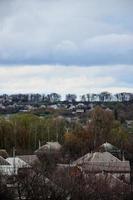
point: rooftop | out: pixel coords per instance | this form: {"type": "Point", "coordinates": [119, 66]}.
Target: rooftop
{"type": "Point", "coordinates": [97, 157]}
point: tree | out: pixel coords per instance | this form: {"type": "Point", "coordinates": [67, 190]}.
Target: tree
{"type": "Point", "coordinates": [71, 97]}
{"type": "Point", "coordinates": [105, 96]}
{"type": "Point", "coordinates": [101, 124]}
{"type": "Point", "coordinates": [88, 96]}
{"type": "Point", "coordinates": [119, 135]}
{"type": "Point", "coordinates": [53, 97]}
{"type": "Point", "coordinates": [83, 98]}
{"type": "Point", "coordinates": [72, 144]}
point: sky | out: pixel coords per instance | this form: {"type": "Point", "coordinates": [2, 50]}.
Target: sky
{"type": "Point", "coordinates": [66, 46]}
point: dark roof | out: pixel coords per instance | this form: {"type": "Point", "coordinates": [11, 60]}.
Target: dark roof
{"type": "Point", "coordinates": [3, 161]}
{"type": "Point", "coordinates": [3, 153]}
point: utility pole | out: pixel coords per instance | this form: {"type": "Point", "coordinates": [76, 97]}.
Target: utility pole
{"type": "Point", "coordinates": [14, 167]}
{"type": "Point", "coordinates": [48, 133]}
{"type": "Point", "coordinates": [57, 136]}
{"type": "Point", "coordinates": [39, 144]}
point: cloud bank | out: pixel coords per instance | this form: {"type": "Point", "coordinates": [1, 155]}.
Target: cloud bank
{"type": "Point", "coordinates": [79, 80]}
{"type": "Point", "coordinates": [72, 32]}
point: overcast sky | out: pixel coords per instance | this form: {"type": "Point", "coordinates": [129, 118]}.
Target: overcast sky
{"type": "Point", "coordinates": [63, 46]}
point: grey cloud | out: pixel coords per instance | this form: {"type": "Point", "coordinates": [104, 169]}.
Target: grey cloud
{"type": "Point", "coordinates": [66, 32]}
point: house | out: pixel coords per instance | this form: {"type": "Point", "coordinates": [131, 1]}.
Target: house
{"type": "Point", "coordinates": [71, 107]}
{"type": "Point", "coordinates": [104, 162]}
{"type": "Point", "coordinates": [17, 162]}
{"type": "Point", "coordinates": [107, 147]}
{"type": "Point", "coordinates": [51, 150]}
{"type": "Point", "coordinates": [31, 160]}
{"type": "Point", "coordinates": [129, 124]}
{"type": "Point", "coordinates": [80, 110]}
{"type": "Point", "coordinates": [3, 153]}
{"type": "Point", "coordinates": [49, 147]}
{"type": "Point", "coordinates": [96, 157]}
{"type": "Point", "coordinates": [53, 106]}
{"type": "Point", "coordinates": [11, 165]}
{"type": "Point", "coordinates": [120, 170]}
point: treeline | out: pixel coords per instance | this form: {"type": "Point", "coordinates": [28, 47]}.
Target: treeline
{"type": "Point", "coordinates": [55, 97]}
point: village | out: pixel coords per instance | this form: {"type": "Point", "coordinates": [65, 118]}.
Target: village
{"type": "Point", "coordinates": [66, 99]}
{"type": "Point", "coordinates": [104, 168]}
{"type": "Point", "coordinates": [67, 154]}
{"type": "Point", "coordinates": [15, 103]}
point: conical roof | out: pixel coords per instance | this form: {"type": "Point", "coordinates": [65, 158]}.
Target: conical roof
{"type": "Point", "coordinates": [3, 153]}
{"type": "Point", "coordinates": [97, 157]}
{"type": "Point", "coordinates": [3, 161]}
{"type": "Point", "coordinates": [49, 147]}
{"type": "Point", "coordinates": [108, 147]}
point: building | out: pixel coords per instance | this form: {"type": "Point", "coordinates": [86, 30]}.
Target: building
{"type": "Point", "coordinates": [98, 162]}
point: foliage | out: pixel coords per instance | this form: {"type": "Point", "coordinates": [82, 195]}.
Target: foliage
{"type": "Point", "coordinates": [24, 131]}
{"type": "Point", "coordinates": [71, 97]}
{"type": "Point", "coordinates": [101, 127]}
